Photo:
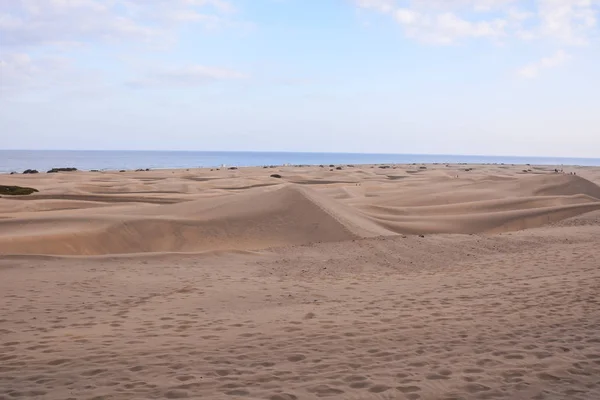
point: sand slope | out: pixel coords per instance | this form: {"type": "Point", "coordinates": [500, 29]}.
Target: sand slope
{"type": "Point", "coordinates": [254, 219]}
{"type": "Point", "coordinates": [442, 317]}
{"type": "Point", "coordinates": [99, 301]}
{"type": "Point", "coordinates": [183, 211]}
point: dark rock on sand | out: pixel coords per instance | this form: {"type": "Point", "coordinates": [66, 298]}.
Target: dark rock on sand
{"type": "Point", "coordinates": [275, 176]}
{"type": "Point", "coordinates": [30, 171]}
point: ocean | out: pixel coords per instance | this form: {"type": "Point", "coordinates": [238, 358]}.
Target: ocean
{"type": "Point", "coordinates": [43, 160]}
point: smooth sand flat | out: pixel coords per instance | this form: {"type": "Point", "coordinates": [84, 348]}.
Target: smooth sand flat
{"type": "Point", "coordinates": [408, 282]}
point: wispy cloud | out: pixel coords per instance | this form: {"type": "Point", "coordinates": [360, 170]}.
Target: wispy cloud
{"type": "Point", "coordinates": [21, 73]}
{"type": "Point", "coordinates": [191, 75]}
{"type": "Point", "coordinates": [558, 23]}
{"type": "Point", "coordinates": [572, 22]}
{"type": "Point", "coordinates": [533, 70]}
{"type": "Point", "coordinates": [444, 22]}
{"type": "Point", "coordinates": [32, 22]}
{"type": "Point", "coordinates": [41, 39]}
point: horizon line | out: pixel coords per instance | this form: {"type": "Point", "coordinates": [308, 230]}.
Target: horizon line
{"type": "Point", "coordinates": [307, 152]}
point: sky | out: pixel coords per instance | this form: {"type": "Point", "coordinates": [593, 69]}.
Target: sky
{"type": "Point", "coordinates": [484, 77]}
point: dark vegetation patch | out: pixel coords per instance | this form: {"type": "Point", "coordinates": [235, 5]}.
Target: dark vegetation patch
{"type": "Point", "coordinates": [16, 190]}
{"type": "Point", "coordinates": [63, 169]}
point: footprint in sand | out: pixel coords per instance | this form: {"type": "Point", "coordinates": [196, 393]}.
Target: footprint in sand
{"type": "Point", "coordinates": [408, 389]}
{"type": "Point", "coordinates": [296, 357]}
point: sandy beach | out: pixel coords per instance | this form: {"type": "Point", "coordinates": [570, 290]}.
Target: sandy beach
{"type": "Point", "coordinates": [364, 282]}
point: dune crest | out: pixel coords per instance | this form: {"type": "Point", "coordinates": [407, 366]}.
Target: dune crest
{"type": "Point", "coordinates": [249, 211]}
{"type": "Point", "coordinates": [288, 215]}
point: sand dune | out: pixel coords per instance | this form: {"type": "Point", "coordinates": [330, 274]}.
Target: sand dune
{"type": "Point", "coordinates": [566, 185]}
{"type": "Point", "coordinates": [287, 215]}
{"type": "Point", "coordinates": [232, 284]}
{"type": "Point", "coordinates": [247, 209]}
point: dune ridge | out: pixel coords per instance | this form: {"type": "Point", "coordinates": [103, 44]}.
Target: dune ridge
{"type": "Point", "coordinates": [246, 210]}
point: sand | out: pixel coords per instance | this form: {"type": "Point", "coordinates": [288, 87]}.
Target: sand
{"type": "Point", "coordinates": [407, 282]}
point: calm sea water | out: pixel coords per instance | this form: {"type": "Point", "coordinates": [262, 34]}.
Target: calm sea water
{"type": "Point", "coordinates": [19, 160]}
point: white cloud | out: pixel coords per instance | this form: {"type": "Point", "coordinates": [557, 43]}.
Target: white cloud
{"type": "Point", "coordinates": [555, 23]}
{"type": "Point", "coordinates": [447, 27]}
{"type": "Point", "coordinates": [38, 36]}
{"type": "Point", "coordinates": [20, 69]}
{"type": "Point", "coordinates": [21, 73]}
{"type": "Point", "coordinates": [440, 22]}
{"type": "Point", "coordinates": [220, 5]}
{"type": "Point", "coordinates": [533, 70]}
{"type": "Point", "coordinates": [384, 6]}
{"type": "Point", "coordinates": [570, 22]}
{"type": "Point", "coordinates": [43, 22]}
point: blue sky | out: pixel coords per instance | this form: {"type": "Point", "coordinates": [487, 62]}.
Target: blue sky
{"type": "Point", "coordinates": [490, 77]}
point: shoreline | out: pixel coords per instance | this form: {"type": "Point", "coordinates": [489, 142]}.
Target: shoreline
{"type": "Point", "coordinates": [324, 166]}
